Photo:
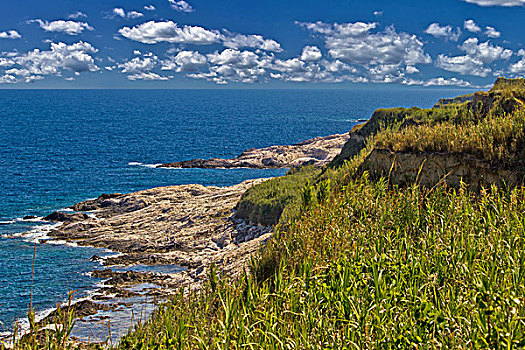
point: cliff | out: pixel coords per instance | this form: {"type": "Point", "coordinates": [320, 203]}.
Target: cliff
{"type": "Point", "coordinates": [504, 98]}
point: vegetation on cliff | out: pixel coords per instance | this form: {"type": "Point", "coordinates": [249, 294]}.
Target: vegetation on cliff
{"type": "Point", "coordinates": [498, 139]}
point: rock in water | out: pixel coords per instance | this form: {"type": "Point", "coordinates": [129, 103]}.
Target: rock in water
{"type": "Point", "coordinates": [66, 217]}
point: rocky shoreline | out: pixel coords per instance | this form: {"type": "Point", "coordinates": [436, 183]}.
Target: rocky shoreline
{"type": "Point", "coordinates": [190, 226]}
{"type": "Point", "coordinates": [318, 151]}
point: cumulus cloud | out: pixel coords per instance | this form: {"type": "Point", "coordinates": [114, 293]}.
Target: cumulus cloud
{"type": "Point", "coordinates": [61, 26]}
{"type": "Point", "coordinates": [8, 79]}
{"type": "Point", "coordinates": [6, 62]}
{"type": "Point", "coordinates": [185, 61]}
{"type": "Point", "coordinates": [485, 52]}
{"type": "Point", "coordinates": [35, 64]}
{"type": "Point", "coordinates": [356, 44]}
{"type": "Point", "coordinates": [10, 34]}
{"type": "Point", "coordinates": [446, 32]}
{"type": "Point", "coordinates": [471, 26]}
{"type": "Point", "coordinates": [148, 76]}
{"type": "Point", "coordinates": [465, 65]}
{"type": "Point", "coordinates": [477, 59]}
{"type": "Point", "coordinates": [77, 15]}
{"type": "Point", "coordinates": [491, 32]}
{"type": "Point", "coordinates": [138, 64]}
{"type": "Point", "coordinates": [128, 15]}
{"type": "Point", "coordinates": [378, 13]}
{"type": "Point", "coordinates": [505, 3]}
{"type": "Point", "coordinates": [311, 54]}
{"type": "Point", "coordinates": [181, 6]}
{"type": "Point", "coordinates": [438, 82]}
{"type": "Point", "coordinates": [149, 8]}
{"type": "Point", "coordinates": [519, 67]}
{"type": "Point", "coordinates": [155, 32]}
{"type": "Point", "coordinates": [237, 41]}
{"type": "Point", "coordinates": [382, 55]}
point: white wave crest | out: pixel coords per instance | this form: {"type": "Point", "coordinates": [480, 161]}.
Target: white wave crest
{"type": "Point", "coordinates": [144, 165]}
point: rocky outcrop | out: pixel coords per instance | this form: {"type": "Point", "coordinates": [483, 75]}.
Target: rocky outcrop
{"type": "Point", "coordinates": [318, 151]}
{"type": "Point", "coordinates": [428, 169]}
{"type": "Point", "coordinates": [59, 216]}
{"type": "Point", "coordinates": [102, 201]}
{"type": "Point", "coordinates": [191, 226]}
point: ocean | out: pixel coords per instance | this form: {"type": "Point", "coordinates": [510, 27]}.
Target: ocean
{"type": "Point", "coordinates": [59, 147]}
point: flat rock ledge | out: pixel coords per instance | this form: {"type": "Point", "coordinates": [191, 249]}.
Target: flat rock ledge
{"type": "Point", "coordinates": [318, 151]}
{"type": "Point", "coordinates": [190, 225]}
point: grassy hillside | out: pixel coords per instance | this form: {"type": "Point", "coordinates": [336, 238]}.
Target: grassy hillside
{"type": "Point", "coordinates": [264, 204]}
{"type": "Point", "coordinates": [373, 266]}
{"type": "Point", "coordinates": [506, 96]}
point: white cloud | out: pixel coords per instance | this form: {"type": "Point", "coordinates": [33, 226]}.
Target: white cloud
{"type": "Point", "coordinates": [471, 26]}
{"type": "Point", "coordinates": [77, 15]}
{"type": "Point", "coordinates": [181, 6]}
{"type": "Point", "coordinates": [411, 70]}
{"type": "Point", "coordinates": [134, 14]}
{"type": "Point", "coordinates": [237, 41]}
{"type": "Point", "coordinates": [311, 54]}
{"type": "Point", "coordinates": [337, 66]}
{"type": "Point", "coordinates": [354, 43]}
{"type": "Point", "coordinates": [119, 12]}
{"type": "Point", "coordinates": [138, 64]}
{"type": "Point", "coordinates": [339, 30]}
{"type": "Point", "coordinates": [149, 8]}
{"type": "Point", "coordinates": [383, 56]}
{"type": "Point", "coordinates": [35, 64]}
{"type": "Point", "coordinates": [10, 34]}
{"type": "Point", "coordinates": [233, 57]}
{"type": "Point", "coordinates": [438, 82]}
{"type": "Point", "coordinates": [148, 76]}
{"type": "Point", "coordinates": [465, 65]}
{"type": "Point", "coordinates": [155, 32]}
{"type": "Point", "coordinates": [477, 59]}
{"type": "Point", "coordinates": [485, 52]}
{"type": "Point", "coordinates": [491, 32]}
{"type": "Point", "coordinates": [229, 65]}
{"type": "Point", "coordinates": [505, 3]}
{"type": "Point", "coordinates": [6, 62]}
{"type": "Point", "coordinates": [519, 67]}
{"type": "Point", "coordinates": [378, 13]}
{"type": "Point", "coordinates": [129, 15]}
{"type": "Point", "coordinates": [185, 61]}
{"type": "Point", "coordinates": [61, 26]}
{"type": "Point", "coordinates": [8, 79]}
{"type": "Point", "coordinates": [446, 31]}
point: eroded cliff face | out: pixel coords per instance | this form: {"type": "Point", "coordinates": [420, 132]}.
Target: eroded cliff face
{"type": "Point", "coordinates": [429, 169]}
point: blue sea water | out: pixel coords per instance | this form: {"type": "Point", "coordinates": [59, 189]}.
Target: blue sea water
{"type": "Point", "coordinates": [59, 147]}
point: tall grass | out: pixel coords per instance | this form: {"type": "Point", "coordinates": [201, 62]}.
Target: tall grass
{"type": "Point", "coordinates": [374, 266]}
{"type": "Point", "coordinates": [497, 139]}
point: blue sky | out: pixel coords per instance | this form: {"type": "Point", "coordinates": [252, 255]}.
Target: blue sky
{"type": "Point", "coordinates": [207, 44]}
